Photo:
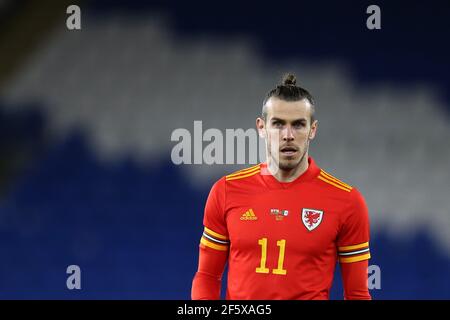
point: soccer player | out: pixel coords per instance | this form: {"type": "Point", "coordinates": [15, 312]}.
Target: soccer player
{"type": "Point", "coordinates": [283, 225]}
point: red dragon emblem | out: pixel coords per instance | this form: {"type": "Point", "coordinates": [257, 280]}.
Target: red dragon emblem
{"type": "Point", "coordinates": [311, 218]}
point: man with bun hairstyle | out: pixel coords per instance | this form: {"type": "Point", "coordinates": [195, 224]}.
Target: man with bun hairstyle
{"type": "Point", "coordinates": [283, 225]}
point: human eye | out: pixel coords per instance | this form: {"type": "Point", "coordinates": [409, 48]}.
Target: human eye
{"type": "Point", "coordinates": [277, 124]}
{"type": "Point", "coordinates": [299, 124]}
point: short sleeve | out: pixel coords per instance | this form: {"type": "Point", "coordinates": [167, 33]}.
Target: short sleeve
{"type": "Point", "coordinates": [215, 233]}
{"type": "Point", "coordinates": [354, 234]}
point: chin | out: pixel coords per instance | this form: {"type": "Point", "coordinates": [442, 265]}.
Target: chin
{"type": "Point", "coordinates": [288, 164]}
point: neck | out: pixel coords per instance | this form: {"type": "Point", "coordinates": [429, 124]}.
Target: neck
{"type": "Point", "coordinates": [288, 175]}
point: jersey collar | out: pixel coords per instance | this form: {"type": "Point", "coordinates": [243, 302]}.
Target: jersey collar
{"type": "Point", "coordinates": [310, 173]}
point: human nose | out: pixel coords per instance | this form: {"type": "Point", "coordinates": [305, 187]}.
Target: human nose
{"type": "Point", "coordinates": [288, 133]}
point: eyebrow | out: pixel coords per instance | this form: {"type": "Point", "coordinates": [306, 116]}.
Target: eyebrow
{"type": "Point", "coordinates": [284, 121]}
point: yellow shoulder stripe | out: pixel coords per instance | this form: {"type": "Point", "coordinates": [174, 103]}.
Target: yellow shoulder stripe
{"type": "Point", "coordinates": [355, 259]}
{"type": "Point", "coordinates": [213, 245]}
{"type": "Point", "coordinates": [252, 173]}
{"type": "Point", "coordinates": [215, 234]}
{"type": "Point", "coordinates": [244, 171]}
{"type": "Point", "coordinates": [333, 183]}
{"type": "Point", "coordinates": [334, 179]}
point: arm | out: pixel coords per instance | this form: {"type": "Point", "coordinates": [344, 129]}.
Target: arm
{"type": "Point", "coordinates": [214, 246]}
{"type": "Point", "coordinates": [353, 249]}
{"type": "Point", "coordinates": [354, 279]}
{"type": "Point", "coordinates": [207, 281]}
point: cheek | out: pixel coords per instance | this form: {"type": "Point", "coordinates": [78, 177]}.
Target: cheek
{"type": "Point", "coordinates": [302, 134]}
{"type": "Point", "coordinates": [273, 135]}
{"type": "Point", "coordinates": [273, 140]}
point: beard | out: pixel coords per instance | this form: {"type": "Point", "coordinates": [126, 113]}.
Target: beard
{"type": "Point", "coordinates": [287, 164]}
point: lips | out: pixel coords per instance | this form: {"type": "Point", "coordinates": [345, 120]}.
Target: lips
{"type": "Point", "coordinates": [288, 150]}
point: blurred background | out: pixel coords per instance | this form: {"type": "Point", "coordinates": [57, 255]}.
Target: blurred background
{"type": "Point", "coordinates": [86, 117]}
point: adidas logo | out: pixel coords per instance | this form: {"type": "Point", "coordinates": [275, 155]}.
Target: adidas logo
{"type": "Point", "coordinates": [249, 215]}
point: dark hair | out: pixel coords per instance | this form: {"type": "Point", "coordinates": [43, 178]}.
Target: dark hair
{"type": "Point", "coordinates": [289, 91]}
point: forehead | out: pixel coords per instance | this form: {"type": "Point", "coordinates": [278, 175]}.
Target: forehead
{"type": "Point", "coordinates": [288, 110]}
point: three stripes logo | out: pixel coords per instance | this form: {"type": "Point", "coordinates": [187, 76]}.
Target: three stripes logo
{"type": "Point", "coordinates": [249, 215]}
{"type": "Point", "coordinates": [328, 178]}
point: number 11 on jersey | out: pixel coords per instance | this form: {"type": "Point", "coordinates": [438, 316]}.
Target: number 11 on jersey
{"type": "Point", "coordinates": [262, 266]}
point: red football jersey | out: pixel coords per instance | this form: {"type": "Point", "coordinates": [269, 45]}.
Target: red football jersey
{"type": "Point", "coordinates": [284, 239]}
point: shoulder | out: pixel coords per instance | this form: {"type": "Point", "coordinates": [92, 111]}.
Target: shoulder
{"type": "Point", "coordinates": [243, 173]}
{"type": "Point", "coordinates": [337, 187]}
{"type": "Point", "coordinates": [236, 178]}
{"type": "Point", "coordinates": [333, 184]}
{"type": "Point", "coordinates": [352, 200]}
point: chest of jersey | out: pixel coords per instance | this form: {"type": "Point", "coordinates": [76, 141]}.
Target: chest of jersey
{"type": "Point", "coordinates": [290, 224]}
